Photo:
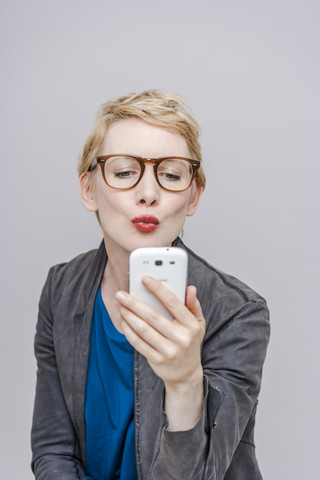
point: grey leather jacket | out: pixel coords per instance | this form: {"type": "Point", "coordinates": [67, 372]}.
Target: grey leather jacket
{"type": "Point", "coordinates": [221, 444]}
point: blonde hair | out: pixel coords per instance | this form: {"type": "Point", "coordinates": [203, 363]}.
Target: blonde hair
{"type": "Point", "coordinates": [163, 110]}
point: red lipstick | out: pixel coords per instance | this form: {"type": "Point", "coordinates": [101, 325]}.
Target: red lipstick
{"type": "Point", "coordinates": [145, 223]}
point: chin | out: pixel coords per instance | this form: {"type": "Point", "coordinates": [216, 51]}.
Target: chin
{"type": "Point", "coordinates": [151, 241]}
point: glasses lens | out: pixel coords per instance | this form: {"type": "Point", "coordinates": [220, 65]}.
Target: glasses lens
{"type": "Point", "coordinates": [122, 172]}
{"type": "Point", "coordinates": [175, 174]}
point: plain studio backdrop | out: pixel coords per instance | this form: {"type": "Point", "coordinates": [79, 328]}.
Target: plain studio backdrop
{"type": "Point", "coordinates": [250, 71]}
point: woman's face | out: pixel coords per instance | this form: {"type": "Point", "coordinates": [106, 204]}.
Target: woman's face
{"type": "Point", "coordinates": [125, 215]}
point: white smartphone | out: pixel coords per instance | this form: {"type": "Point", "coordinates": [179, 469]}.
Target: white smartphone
{"type": "Point", "coordinates": [167, 264]}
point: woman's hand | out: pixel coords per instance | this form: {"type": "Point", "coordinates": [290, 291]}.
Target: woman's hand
{"type": "Point", "coordinates": [172, 348]}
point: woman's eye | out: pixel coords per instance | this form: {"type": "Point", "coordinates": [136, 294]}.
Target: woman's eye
{"type": "Point", "coordinates": [125, 174]}
{"type": "Point", "coordinates": [170, 176]}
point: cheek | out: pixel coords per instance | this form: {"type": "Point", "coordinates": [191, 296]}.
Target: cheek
{"type": "Point", "coordinates": [112, 204]}
{"type": "Point", "coordinates": [178, 207]}
{"type": "Point", "coordinates": [184, 200]}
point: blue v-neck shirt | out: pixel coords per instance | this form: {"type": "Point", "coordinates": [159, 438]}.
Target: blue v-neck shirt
{"type": "Point", "coordinates": [109, 402]}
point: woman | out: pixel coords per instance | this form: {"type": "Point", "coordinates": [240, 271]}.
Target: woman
{"type": "Point", "coordinates": [123, 392]}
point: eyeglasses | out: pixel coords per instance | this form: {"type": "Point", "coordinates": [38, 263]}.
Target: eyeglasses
{"type": "Point", "coordinates": [123, 172]}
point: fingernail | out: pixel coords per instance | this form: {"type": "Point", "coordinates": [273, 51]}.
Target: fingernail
{"type": "Point", "coordinates": [120, 295]}
{"type": "Point", "coordinates": [146, 280]}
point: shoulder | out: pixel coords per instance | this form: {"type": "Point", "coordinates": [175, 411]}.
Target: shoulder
{"type": "Point", "coordinates": [76, 278]}
{"type": "Point", "coordinates": [64, 272]}
{"type": "Point", "coordinates": [223, 282]}
{"type": "Point", "coordinates": [211, 277]}
{"type": "Point", "coordinates": [222, 296]}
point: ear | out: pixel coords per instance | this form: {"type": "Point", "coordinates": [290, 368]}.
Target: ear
{"type": "Point", "coordinates": [87, 193]}
{"type": "Point", "coordinates": [196, 191]}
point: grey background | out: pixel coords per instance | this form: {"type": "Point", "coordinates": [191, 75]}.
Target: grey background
{"type": "Point", "coordinates": [250, 70]}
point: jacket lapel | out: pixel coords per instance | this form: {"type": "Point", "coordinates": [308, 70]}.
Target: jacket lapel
{"type": "Point", "coordinates": [82, 332]}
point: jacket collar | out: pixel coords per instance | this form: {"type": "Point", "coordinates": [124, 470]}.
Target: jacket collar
{"type": "Point", "coordinates": [92, 278]}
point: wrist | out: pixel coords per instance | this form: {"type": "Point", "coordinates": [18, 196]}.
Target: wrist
{"type": "Point", "coordinates": [193, 382]}
{"type": "Point", "coordinates": [183, 402]}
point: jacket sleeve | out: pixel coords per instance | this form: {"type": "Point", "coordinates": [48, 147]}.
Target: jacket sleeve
{"type": "Point", "coordinates": [54, 443]}
{"type": "Point", "coordinates": [182, 455]}
{"type": "Point", "coordinates": [233, 364]}
{"type": "Point", "coordinates": [232, 361]}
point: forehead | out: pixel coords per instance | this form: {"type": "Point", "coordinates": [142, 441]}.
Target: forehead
{"type": "Point", "coordinates": [136, 137]}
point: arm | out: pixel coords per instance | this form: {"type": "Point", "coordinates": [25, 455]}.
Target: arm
{"type": "Point", "coordinates": [184, 398]}
{"type": "Point", "coordinates": [232, 359]}
{"type": "Point", "coordinates": [173, 350]}
{"type": "Point", "coordinates": [54, 442]}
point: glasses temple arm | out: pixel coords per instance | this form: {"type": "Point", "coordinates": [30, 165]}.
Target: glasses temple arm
{"type": "Point", "coordinates": [93, 164]}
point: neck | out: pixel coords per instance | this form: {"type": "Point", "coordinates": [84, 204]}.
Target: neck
{"type": "Point", "coordinates": [115, 278]}
{"type": "Point", "coordinates": [117, 268]}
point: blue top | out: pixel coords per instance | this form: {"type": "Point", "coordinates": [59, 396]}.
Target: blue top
{"type": "Point", "coordinates": [109, 401]}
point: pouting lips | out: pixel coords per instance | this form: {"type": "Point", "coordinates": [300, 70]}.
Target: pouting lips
{"type": "Point", "coordinates": [145, 223]}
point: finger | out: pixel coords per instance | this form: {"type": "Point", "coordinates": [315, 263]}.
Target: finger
{"type": "Point", "coordinates": [144, 330]}
{"type": "Point", "coordinates": [177, 309]}
{"type": "Point", "coordinates": [148, 314]}
{"type": "Point", "coordinates": [139, 344]}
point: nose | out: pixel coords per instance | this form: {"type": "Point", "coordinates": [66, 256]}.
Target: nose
{"type": "Point", "coordinates": [147, 190]}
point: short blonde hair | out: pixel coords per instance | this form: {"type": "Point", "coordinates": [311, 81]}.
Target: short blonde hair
{"type": "Point", "coordinates": [163, 110]}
